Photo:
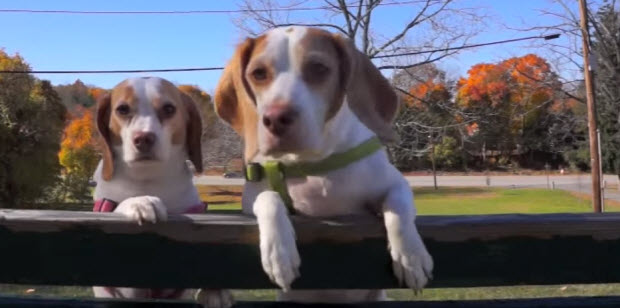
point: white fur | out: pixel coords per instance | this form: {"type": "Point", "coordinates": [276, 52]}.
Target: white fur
{"type": "Point", "coordinates": [289, 87]}
{"type": "Point", "coordinates": [347, 191]}
{"type": "Point", "coordinates": [279, 254]}
{"type": "Point", "coordinates": [147, 191]}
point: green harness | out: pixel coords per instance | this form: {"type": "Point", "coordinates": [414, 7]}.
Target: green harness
{"type": "Point", "coordinates": [276, 172]}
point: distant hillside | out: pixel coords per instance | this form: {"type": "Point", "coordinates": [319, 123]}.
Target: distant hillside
{"type": "Point", "coordinates": [77, 95]}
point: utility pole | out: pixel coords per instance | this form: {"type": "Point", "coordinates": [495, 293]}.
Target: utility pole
{"type": "Point", "coordinates": [595, 163]}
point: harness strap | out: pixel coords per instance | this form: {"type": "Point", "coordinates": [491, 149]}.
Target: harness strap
{"type": "Point", "coordinates": [104, 205]}
{"type": "Point", "coordinates": [277, 172]}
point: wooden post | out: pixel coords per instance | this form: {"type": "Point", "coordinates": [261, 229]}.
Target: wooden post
{"type": "Point", "coordinates": [595, 162]}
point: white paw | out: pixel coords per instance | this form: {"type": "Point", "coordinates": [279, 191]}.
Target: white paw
{"type": "Point", "coordinates": [279, 255]}
{"type": "Point", "coordinates": [143, 209]}
{"type": "Point", "coordinates": [412, 264]}
{"type": "Point", "coordinates": [210, 298]}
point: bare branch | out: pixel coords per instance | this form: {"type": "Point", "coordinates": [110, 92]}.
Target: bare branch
{"type": "Point", "coordinates": [343, 31]}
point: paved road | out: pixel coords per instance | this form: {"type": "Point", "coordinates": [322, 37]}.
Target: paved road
{"type": "Point", "coordinates": [578, 183]}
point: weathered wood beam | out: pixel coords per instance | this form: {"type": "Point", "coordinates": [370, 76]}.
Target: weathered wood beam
{"type": "Point", "coordinates": [566, 302]}
{"type": "Point", "coordinates": [216, 250]}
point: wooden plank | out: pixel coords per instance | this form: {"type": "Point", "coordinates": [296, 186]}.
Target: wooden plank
{"type": "Point", "coordinates": [220, 251]}
{"type": "Point", "coordinates": [566, 302]}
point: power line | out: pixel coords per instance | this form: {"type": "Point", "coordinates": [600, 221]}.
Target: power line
{"type": "Point", "coordinates": [546, 37]}
{"type": "Point", "coordinates": [194, 69]}
{"type": "Point", "coordinates": [189, 12]}
{"type": "Point", "coordinates": [161, 70]}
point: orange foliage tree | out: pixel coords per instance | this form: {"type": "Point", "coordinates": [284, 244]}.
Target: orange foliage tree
{"type": "Point", "coordinates": [78, 154]}
{"type": "Point", "coordinates": [512, 99]}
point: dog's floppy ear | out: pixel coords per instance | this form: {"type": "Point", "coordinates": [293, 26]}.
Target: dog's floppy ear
{"type": "Point", "coordinates": [234, 99]}
{"type": "Point", "coordinates": [369, 95]}
{"type": "Point", "coordinates": [104, 107]}
{"type": "Point", "coordinates": [193, 133]}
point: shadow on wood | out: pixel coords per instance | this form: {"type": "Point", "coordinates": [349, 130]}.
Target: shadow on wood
{"type": "Point", "coordinates": [221, 251]}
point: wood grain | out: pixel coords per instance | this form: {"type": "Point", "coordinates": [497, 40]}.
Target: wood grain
{"type": "Point", "coordinates": [221, 251]}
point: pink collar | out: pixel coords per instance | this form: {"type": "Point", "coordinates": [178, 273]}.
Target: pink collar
{"type": "Point", "coordinates": [107, 205]}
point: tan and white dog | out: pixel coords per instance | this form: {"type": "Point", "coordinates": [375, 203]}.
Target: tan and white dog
{"type": "Point", "coordinates": [150, 129]}
{"type": "Point", "coordinates": [299, 94]}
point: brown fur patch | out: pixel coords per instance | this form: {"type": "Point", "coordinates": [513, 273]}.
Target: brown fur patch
{"type": "Point", "coordinates": [234, 99]}
{"type": "Point", "coordinates": [369, 94]}
{"type": "Point", "coordinates": [193, 132]}
{"type": "Point", "coordinates": [103, 122]}
{"type": "Point", "coordinates": [320, 45]}
{"type": "Point", "coordinates": [169, 93]}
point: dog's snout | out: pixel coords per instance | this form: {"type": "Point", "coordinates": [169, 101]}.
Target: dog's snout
{"type": "Point", "coordinates": [144, 141]}
{"type": "Point", "coordinates": [278, 119]}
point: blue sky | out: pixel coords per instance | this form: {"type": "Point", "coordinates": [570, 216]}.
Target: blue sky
{"type": "Point", "coordinates": [91, 42]}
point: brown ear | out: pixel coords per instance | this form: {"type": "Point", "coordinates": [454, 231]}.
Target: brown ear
{"type": "Point", "coordinates": [103, 125]}
{"type": "Point", "coordinates": [234, 100]}
{"type": "Point", "coordinates": [369, 95]}
{"type": "Point", "coordinates": [193, 133]}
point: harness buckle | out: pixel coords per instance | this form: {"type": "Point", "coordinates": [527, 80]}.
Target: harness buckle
{"type": "Point", "coordinates": [253, 172]}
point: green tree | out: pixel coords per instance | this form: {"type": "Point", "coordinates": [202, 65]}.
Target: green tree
{"type": "Point", "coordinates": [606, 48]}
{"type": "Point", "coordinates": [447, 153]}
{"type": "Point", "coordinates": [427, 111]}
{"type": "Point", "coordinates": [31, 122]}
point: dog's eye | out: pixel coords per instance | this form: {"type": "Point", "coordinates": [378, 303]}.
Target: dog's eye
{"type": "Point", "coordinates": [317, 69]}
{"type": "Point", "coordinates": [315, 72]}
{"type": "Point", "coordinates": [169, 110]}
{"type": "Point", "coordinates": [123, 109]}
{"type": "Point", "coordinates": [259, 74]}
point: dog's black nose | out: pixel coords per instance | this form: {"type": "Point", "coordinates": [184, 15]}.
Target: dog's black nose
{"type": "Point", "coordinates": [144, 141]}
{"type": "Point", "coordinates": [278, 119]}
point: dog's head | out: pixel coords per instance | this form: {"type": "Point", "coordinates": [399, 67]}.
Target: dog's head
{"type": "Point", "coordinates": [280, 90]}
{"type": "Point", "coordinates": [145, 124]}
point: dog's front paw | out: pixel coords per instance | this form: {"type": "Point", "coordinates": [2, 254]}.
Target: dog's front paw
{"type": "Point", "coordinates": [279, 256]}
{"type": "Point", "coordinates": [411, 262]}
{"type": "Point", "coordinates": [210, 298]}
{"type": "Point", "coordinates": [143, 209]}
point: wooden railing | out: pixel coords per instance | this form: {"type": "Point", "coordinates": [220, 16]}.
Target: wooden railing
{"type": "Point", "coordinates": [221, 251]}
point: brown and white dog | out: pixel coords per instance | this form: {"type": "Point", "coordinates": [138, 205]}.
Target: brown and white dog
{"type": "Point", "coordinates": [150, 129]}
{"type": "Point", "coordinates": [302, 94]}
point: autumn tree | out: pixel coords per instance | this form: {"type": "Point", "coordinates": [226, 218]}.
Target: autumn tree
{"type": "Point", "coordinates": [427, 114]}
{"type": "Point", "coordinates": [79, 155]}
{"type": "Point", "coordinates": [514, 98]}
{"type": "Point", "coordinates": [31, 122]}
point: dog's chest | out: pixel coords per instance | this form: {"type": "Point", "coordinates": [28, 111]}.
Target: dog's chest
{"type": "Point", "coordinates": [324, 196]}
{"type": "Point", "coordinates": [356, 189]}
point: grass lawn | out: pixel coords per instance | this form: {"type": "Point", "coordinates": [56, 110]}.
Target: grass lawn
{"type": "Point", "coordinates": [477, 201]}
{"type": "Point", "coordinates": [445, 201]}
{"type": "Point", "coordinates": [456, 201]}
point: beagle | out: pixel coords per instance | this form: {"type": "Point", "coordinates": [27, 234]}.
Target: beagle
{"type": "Point", "coordinates": [313, 111]}
{"type": "Point", "coordinates": [149, 129]}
